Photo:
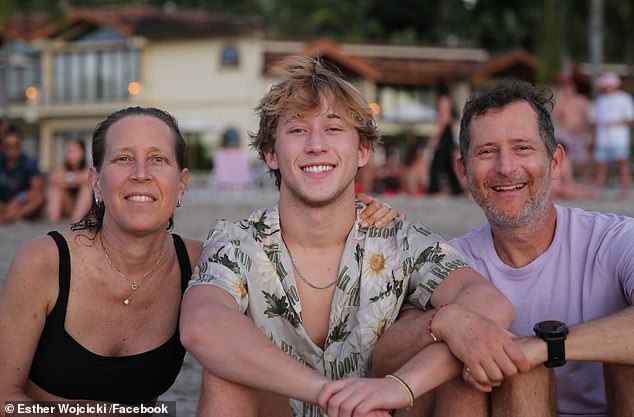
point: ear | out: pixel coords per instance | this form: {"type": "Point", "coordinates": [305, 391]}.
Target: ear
{"type": "Point", "coordinates": [93, 178]}
{"type": "Point", "coordinates": [364, 155]}
{"type": "Point", "coordinates": [557, 161]}
{"type": "Point", "coordinates": [460, 165]}
{"type": "Point", "coordinates": [182, 186]}
{"type": "Point", "coordinates": [271, 158]}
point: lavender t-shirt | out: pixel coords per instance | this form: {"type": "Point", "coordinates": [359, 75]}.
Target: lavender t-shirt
{"type": "Point", "coordinates": [586, 273]}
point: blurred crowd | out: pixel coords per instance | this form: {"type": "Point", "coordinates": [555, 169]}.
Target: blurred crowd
{"type": "Point", "coordinates": [25, 193]}
{"type": "Point", "coordinates": [595, 136]}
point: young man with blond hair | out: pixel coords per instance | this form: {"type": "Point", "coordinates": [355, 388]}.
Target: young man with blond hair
{"type": "Point", "coordinates": [289, 303]}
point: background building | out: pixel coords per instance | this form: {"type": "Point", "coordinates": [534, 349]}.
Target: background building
{"type": "Point", "coordinates": [209, 70]}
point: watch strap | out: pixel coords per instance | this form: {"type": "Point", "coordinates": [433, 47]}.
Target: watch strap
{"type": "Point", "coordinates": [556, 353]}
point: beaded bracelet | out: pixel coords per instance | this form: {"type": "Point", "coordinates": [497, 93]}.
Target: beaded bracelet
{"type": "Point", "coordinates": [436, 310]}
{"type": "Point", "coordinates": [407, 388]}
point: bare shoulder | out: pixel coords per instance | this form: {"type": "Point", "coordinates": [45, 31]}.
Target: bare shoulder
{"type": "Point", "coordinates": [38, 256]}
{"type": "Point", "coordinates": [194, 248]}
{"type": "Point", "coordinates": [34, 271]}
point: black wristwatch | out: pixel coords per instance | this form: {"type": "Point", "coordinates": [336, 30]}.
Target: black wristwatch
{"type": "Point", "coordinates": [554, 333]}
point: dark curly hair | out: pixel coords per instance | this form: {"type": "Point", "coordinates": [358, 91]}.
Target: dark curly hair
{"type": "Point", "coordinates": [502, 94]}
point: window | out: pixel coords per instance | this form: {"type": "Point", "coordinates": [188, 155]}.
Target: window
{"type": "Point", "coordinates": [230, 56]}
{"type": "Point", "coordinates": [19, 69]}
{"type": "Point", "coordinates": [98, 66]}
{"type": "Point", "coordinates": [94, 75]}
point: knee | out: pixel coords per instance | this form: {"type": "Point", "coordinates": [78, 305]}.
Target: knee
{"type": "Point", "coordinates": [539, 380]}
{"type": "Point", "coordinates": [219, 397]}
{"type": "Point", "coordinates": [526, 393]}
{"type": "Point", "coordinates": [456, 398]}
{"type": "Point", "coordinates": [619, 389]}
{"type": "Point", "coordinates": [213, 385]}
{"type": "Point", "coordinates": [619, 381]}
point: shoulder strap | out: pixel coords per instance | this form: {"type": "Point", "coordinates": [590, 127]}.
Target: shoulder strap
{"type": "Point", "coordinates": [183, 261]}
{"type": "Point", "coordinates": [64, 274]}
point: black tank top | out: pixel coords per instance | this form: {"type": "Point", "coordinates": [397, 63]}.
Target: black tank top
{"type": "Point", "coordinates": [63, 367]}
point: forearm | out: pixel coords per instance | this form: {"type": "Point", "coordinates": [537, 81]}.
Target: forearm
{"type": "Point", "coordinates": [232, 348]}
{"type": "Point", "coordinates": [12, 394]}
{"type": "Point", "coordinates": [470, 291]}
{"type": "Point", "coordinates": [429, 368]}
{"type": "Point", "coordinates": [401, 341]}
{"type": "Point", "coordinates": [407, 350]}
{"type": "Point", "coordinates": [488, 301]}
{"type": "Point", "coordinates": [410, 333]}
{"type": "Point", "coordinates": [608, 339]}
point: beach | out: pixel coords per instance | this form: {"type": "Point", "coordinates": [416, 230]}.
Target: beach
{"type": "Point", "coordinates": [448, 216]}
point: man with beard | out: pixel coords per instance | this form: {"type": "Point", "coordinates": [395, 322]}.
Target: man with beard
{"type": "Point", "coordinates": [569, 273]}
{"type": "Point", "coordinates": [289, 303]}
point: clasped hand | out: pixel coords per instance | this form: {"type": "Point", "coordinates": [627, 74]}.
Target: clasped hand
{"type": "Point", "coordinates": [488, 351]}
{"type": "Point", "coordinates": [362, 397]}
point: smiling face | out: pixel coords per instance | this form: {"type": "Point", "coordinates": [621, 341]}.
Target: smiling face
{"type": "Point", "coordinates": [317, 154]}
{"type": "Point", "coordinates": [139, 181]}
{"type": "Point", "coordinates": [508, 166]}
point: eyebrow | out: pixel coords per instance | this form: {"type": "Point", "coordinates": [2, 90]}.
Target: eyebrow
{"type": "Point", "coordinates": [298, 116]}
{"type": "Point", "coordinates": [130, 149]}
{"type": "Point", "coordinates": [512, 141]}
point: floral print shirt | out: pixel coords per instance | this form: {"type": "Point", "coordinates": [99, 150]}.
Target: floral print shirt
{"type": "Point", "coordinates": [379, 270]}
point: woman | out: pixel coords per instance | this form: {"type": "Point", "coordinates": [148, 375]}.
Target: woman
{"type": "Point", "coordinates": [78, 311]}
{"type": "Point", "coordinates": [69, 193]}
{"type": "Point", "coordinates": [442, 144]}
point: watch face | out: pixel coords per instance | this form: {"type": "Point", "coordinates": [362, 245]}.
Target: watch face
{"type": "Point", "coordinates": [551, 326]}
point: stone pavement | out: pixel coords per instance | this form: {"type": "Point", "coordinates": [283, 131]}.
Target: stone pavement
{"type": "Point", "coordinates": [448, 216]}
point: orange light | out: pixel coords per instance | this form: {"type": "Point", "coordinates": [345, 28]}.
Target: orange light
{"type": "Point", "coordinates": [376, 109]}
{"type": "Point", "coordinates": [134, 88]}
{"type": "Point", "coordinates": [31, 92]}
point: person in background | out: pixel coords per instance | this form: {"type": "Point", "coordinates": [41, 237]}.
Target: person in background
{"type": "Point", "coordinates": [415, 169]}
{"type": "Point", "coordinates": [442, 143]}
{"type": "Point", "coordinates": [21, 184]}
{"type": "Point", "coordinates": [572, 126]}
{"type": "Point", "coordinates": [69, 193]}
{"type": "Point", "coordinates": [232, 168]}
{"type": "Point", "coordinates": [388, 176]}
{"type": "Point", "coordinates": [289, 303]}
{"type": "Point", "coordinates": [569, 273]}
{"type": "Point", "coordinates": [613, 114]}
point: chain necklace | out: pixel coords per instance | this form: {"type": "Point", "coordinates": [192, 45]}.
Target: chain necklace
{"type": "Point", "coordinates": [133, 284]}
{"type": "Point", "coordinates": [299, 273]}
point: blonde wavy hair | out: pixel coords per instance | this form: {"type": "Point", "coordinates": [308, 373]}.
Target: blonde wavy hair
{"type": "Point", "coordinates": [301, 85]}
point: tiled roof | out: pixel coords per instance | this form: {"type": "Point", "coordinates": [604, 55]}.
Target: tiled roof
{"type": "Point", "coordinates": [517, 63]}
{"type": "Point", "coordinates": [411, 72]}
{"type": "Point", "coordinates": [159, 24]}
{"type": "Point", "coordinates": [409, 69]}
{"type": "Point", "coordinates": [27, 27]}
{"type": "Point", "coordinates": [325, 47]}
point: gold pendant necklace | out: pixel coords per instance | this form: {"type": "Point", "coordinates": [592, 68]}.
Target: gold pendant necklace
{"type": "Point", "coordinates": [299, 273]}
{"type": "Point", "coordinates": [133, 284]}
